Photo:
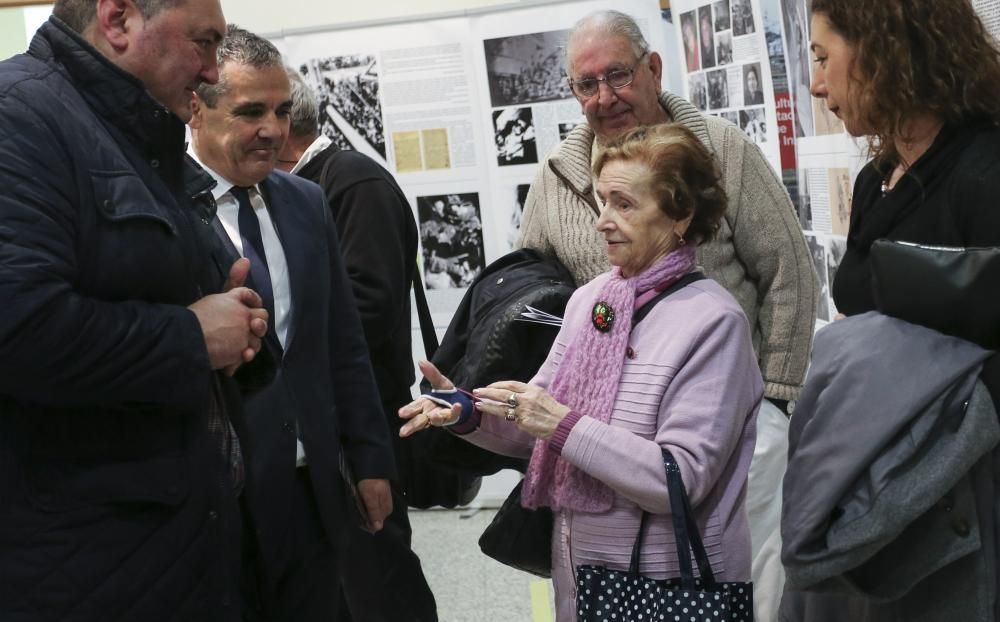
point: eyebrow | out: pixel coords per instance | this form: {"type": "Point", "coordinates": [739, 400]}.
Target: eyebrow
{"type": "Point", "coordinates": [249, 108]}
{"type": "Point", "coordinates": [619, 194]}
{"type": "Point", "coordinates": [615, 66]}
{"type": "Point", "coordinates": [210, 33]}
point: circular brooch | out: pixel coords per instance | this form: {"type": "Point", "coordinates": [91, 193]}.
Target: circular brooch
{"type": "Point", "coordinates": [603, 317]}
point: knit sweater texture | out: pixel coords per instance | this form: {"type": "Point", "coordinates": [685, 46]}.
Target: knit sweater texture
{"type": "Point", "coordinates": [759, 254]}
{"type": "Point", "coordinates": [691, 384]}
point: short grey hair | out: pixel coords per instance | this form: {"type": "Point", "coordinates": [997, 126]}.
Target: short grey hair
{"type": "Point", "coordinates": [243, 48]}
{"type": "Point", "coordinates": [304, 116]}
{"type": "Point", "coordinates": [78, 14]}
{"type": "Point", "coordinates": [608, 22]}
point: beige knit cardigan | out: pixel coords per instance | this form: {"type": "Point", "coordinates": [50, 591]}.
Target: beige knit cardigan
{"type": "Point", "coordinates": [759, 254]}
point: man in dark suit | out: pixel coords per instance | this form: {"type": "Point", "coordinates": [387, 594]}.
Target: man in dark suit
{"type": "Point", "coordinates": [382, 579]}
{"type": "Point", "coordinates": [324, 393]}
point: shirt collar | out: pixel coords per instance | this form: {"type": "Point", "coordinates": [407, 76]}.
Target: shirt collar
{"type": "Point", "coordinates": [322, 142]}
{"type": "Point", "coordinates": [222, 185]}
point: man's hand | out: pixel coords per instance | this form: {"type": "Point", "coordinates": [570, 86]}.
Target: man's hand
{"type": "Point", "coordinates": [377, 497]}
{"type": "Point", "coordinates": [233, 322]}
{"type": "Point", "coordinates": [237, 277]}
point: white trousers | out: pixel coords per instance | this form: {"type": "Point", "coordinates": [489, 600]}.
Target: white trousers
{"type": "Point", "coordinates": [767, 469]}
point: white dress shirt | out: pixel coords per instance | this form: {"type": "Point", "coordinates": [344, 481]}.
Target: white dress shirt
{"type": "Point", "coordinates": [227, 211]}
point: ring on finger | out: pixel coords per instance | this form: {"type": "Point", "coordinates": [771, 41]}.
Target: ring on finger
{"type": "Point", "coordinates": [510, 415]}
{"type": "Point", "coordinates": [512, 400]}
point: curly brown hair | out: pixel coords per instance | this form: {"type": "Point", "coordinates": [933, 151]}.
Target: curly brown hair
{"type": "Point", "coordinates": [684, 177]}
{"type": "Point", "coordinates": [916, 57]}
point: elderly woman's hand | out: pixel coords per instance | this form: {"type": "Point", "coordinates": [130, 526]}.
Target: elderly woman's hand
{"type": "Point", "coordinates": [528, 407]}
{"type": "Point", "coordinates": [422, 412]}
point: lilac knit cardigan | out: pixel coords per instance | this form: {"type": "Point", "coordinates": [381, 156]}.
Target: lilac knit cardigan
{"type": "Point", "coordinates": [693, 386]}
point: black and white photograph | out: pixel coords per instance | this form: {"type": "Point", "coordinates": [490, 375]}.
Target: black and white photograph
{"type": "Point", "coordinates": [516, 213]}
{"type": "Point", "coordinates": [451, 232]}
{"type": "Point", "coordinates": [514, 134]}
{"type": "Point", "coordinates": [348, 91]}
{"type": "Point", "coordinates": [795, 21]}
{"type": "Point", "coordinates": [836, 247]}
{"type": "Point", "coordinates": [331, 131]}
{"type": "Point", "coordinates": [802, 201]}
{"type": "Point", "coordinates": [840, 200]}
{"type": "Point", "coordinates": [818, 252]}
{"type": "Point", "coordinates": [525, 69]}
{"type": "Point", "coordinates": [741, 12]}
{"type": "Point", "coordinates": [566, 127]}
{"type": "Point", "coordinates": [723, 48]}
{"type": "Point", "coordinates": [718, 89]}
{"type": "Point", "coordinates": [689, 36]}
{"type": "Point", "coordinates": [732, 116]}
{"type": "Point", "coordinates": [699, 91]}
{"type": "Point", "coordinates": [752, 122]}
{"type": "Point", "coordinates": [706, 35]}
{"type": "Point", "coordinates": [753, 86]}
{"type": "Point", "coordinates": [770, 16]}
{"type": "Point", "coordinates": [721, 11]}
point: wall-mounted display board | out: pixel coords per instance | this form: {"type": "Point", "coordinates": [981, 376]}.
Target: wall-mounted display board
{"type": "Point", "coordinates": [461, 110]}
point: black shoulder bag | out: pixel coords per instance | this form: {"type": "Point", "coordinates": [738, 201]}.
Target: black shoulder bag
{"type": "Point", "coordinates": [428, 484]}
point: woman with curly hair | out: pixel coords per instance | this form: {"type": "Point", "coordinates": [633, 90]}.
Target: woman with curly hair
{"type": "Point", "coordinates": [920, 79]}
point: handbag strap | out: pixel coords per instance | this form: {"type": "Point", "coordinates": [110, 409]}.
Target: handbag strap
{"type": "Point", "coordinates": [424, 315]}
{"type": "Point", "coordinates": [427, 331]}
{"type": "Point", "coordinates": [685, 527]}
{"type": "Point", "coordinates": [686, 534]}
{"type": "Point", "coordinates": [680, 283]}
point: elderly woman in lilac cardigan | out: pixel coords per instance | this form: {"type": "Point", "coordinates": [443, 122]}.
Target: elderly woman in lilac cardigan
{"type": "Point", "coordinates": [610, 395]}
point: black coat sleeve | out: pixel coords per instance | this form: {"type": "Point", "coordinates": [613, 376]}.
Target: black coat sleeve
{"type": "Point", "coordinates": [374, 224]}
{"type": "Point", "coordinates": [364, 431]}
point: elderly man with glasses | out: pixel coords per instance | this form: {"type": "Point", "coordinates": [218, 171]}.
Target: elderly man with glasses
{"type": "Point", "coordinates": [759, 254]}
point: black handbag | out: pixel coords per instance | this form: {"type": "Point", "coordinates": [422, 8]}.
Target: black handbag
{"type": "Point", "coordinates": [520, 537]}
{"type": "Point", "coordinates": [604, 594]}
{"type": "Point", "coordinates": [952, 290]}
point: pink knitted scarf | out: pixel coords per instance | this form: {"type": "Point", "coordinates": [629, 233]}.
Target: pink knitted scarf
{"type": "Point", "coordinates": [587, 381]}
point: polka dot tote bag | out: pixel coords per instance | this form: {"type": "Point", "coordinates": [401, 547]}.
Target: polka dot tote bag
{"type": "Point", "coordinates": [606, 595]}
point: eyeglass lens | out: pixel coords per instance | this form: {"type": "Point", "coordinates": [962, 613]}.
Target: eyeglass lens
{"type": "Point", "coordinates": [616, 79]}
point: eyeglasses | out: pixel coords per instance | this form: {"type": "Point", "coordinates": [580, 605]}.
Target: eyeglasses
{"type": "Point", "coordinates": [616, 79]}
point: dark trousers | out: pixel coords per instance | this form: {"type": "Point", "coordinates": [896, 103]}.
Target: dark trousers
{"type": "Point", "coordinates": [299, 585]}
{"type": "Point", "coordinates": [380, 575]}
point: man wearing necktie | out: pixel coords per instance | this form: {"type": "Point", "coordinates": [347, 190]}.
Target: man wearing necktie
{"type": "Point", "coordinates": [323, 401]}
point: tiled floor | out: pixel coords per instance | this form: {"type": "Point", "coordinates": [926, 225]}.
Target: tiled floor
{"type": "Point", "coordinates": [468, 586]}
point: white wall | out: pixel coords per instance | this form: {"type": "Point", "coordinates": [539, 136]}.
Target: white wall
{"type": "Point", "coordinates": [268, 17]}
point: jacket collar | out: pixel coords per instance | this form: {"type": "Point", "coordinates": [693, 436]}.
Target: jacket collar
{"type": "Point", "coordinates": [115, 95]}
{"type": "Point", "coordinates": [572, 159]}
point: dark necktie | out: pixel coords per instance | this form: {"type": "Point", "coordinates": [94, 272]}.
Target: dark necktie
{"type": "Point", "coordinates": [253, 249]}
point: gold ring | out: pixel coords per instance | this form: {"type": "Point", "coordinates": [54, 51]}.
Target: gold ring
{"type": "Point", "coordinates": [510, 415]}
{"type": "Point", "coordinates": [512, 400]}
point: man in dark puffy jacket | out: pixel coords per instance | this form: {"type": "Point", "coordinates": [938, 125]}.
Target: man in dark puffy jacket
{"type": "Point", "coordinates": [119, 465]}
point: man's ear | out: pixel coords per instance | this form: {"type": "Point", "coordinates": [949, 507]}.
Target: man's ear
{"type": "Point", "coordinates": [115, 21]}
{"type": "Point", "coordinates": [196, 109]}
{"type": "Point", "coordinates": [656, 66]}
